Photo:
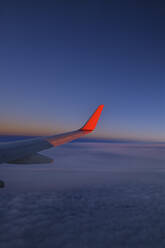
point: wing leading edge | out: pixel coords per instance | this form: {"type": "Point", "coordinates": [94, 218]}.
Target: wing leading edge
{"type": "Point", "coordinates": [14, 152]}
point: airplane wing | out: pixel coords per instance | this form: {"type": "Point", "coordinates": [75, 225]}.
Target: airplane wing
{"type": "Point", "coordinates": [26, 151]}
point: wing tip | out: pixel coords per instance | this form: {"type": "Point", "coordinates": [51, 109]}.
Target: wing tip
{"type": "Point", "coordinates": [92, 121]}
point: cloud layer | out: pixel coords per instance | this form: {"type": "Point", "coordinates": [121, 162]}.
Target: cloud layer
{"type": "Point", "coordinates": [93, 195]}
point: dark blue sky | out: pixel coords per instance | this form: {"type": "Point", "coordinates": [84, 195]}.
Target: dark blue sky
{"type": "Point", "coordinates": [60, 59]}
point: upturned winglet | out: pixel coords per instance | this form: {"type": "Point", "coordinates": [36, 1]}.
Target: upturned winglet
{"type": "Point", "coordinates": [92, 122]}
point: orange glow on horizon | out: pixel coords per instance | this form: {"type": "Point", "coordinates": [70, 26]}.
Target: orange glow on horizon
{"type": "Point", "coordinates": [28, 129]}
{"type": "Point", "coordinates": [45, 129]}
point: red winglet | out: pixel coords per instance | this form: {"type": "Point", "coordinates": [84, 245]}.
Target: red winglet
{"type": "Point", "coordinates": [92, 122]}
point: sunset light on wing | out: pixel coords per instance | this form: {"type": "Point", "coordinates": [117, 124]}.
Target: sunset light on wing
{"type": "Point", "coordinates": [92, 122]}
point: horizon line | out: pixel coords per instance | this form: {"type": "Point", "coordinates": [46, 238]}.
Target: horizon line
{"type": "Point", "coordinates": [12, 137]}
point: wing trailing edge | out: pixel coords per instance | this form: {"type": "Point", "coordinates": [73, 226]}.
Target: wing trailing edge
{"type": "Point", "coordinates": [32, 159]}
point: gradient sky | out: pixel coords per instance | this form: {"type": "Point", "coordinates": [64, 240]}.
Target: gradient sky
{"type": "Point", "coordinates": [60, 59]}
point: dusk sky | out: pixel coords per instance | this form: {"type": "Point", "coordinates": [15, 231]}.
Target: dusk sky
{"type": "Point", "coordinates": [60, 59]}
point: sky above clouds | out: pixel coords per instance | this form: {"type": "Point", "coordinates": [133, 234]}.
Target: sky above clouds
{"type": "Point", "coordinates": [60, 59]}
